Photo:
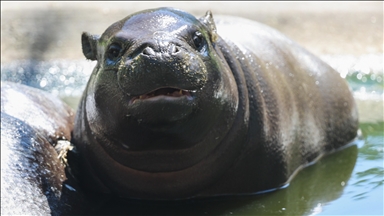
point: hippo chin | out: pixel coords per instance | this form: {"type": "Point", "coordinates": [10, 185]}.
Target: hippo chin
{"type": "Point", "coordinates": [179, 107]}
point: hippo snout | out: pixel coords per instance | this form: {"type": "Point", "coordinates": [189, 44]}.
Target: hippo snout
{"type": "Point", "coordinates": [158, 64]}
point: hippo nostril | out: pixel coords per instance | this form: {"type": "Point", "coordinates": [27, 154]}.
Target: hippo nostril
{"type": "Point", "coordinates": [148, 51]}
{"type": "Point", "coordinates": [174, 49]}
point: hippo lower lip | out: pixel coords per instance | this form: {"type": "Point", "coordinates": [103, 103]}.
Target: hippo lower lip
{"type": "Point", "coordinates": [163, 92]}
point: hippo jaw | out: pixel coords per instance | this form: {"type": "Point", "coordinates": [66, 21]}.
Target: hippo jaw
{"type": "Point", "coordinates": [161, 90]}
{"type": "Point", "coordinates": [162, 110]}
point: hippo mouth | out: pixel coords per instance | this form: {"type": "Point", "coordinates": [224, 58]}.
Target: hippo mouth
{"type": "Point", "coordinates": [168, 92]}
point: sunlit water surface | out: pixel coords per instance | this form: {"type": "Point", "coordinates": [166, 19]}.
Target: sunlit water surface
{"type": "Point", "coordinates": [348, 182]}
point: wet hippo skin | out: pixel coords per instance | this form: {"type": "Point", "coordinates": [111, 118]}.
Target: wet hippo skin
{"type": "Point", "coordinates": [179, 107]}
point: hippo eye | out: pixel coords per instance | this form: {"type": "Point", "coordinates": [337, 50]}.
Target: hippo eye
{"type": "Point", "coordinates": [198, 41]}
{"type": "Point", "coordinates": [114, 51]}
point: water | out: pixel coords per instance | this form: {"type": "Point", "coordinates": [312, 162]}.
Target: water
{"type": "Point", "coordinates": [348, 182]}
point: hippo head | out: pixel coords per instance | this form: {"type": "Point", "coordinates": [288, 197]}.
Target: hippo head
{"type": "Point", "coordinates": [160, 100]}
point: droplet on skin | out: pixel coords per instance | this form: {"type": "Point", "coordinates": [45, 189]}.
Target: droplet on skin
{"type": "Point", "coordinates": [69, 187]}
{"type": "Point", "coordinates": [43, 82]}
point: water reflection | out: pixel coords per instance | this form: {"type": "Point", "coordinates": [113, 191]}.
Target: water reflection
{"type": "Point", "coordinates": [61, 78]}
{"type": "Point", "coordinates": [310, 190]}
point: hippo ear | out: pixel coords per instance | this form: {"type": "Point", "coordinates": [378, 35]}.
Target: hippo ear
{"type": "Point", "coordinates": [208, 21]}
{"type": "Point", "coordinates": [89, 44]}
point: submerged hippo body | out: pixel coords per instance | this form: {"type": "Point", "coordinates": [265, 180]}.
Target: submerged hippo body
{"type": "Point", "coordinates": [179, 107]}
{"type": "Point", "coordinates": [32, 175]}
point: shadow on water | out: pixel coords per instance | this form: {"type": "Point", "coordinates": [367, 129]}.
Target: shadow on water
{"type": "Point", "coordinates": [310, 189]}
{"type": "Point", "coordinates": [65, 79]}
{"type": "Point", "coordinates": [45, 34]}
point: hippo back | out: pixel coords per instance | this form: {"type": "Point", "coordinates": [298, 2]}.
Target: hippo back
{"type": "Point", "coordinates": [300, 108]}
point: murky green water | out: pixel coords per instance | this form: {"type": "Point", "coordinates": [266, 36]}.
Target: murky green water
{"type": "Point", "coordinates": [348, 182]}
